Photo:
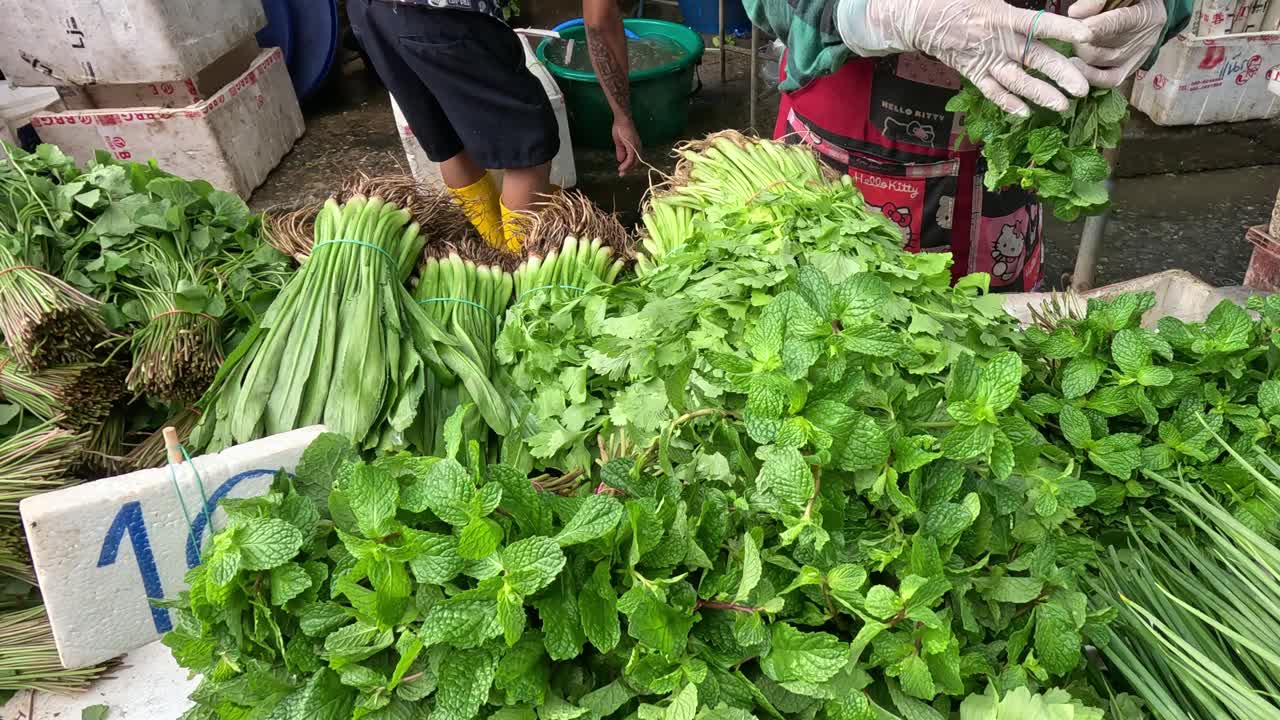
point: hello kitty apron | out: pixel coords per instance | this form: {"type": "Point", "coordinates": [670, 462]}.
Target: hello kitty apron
{"type": "Point", "coordinates": [884, 121]}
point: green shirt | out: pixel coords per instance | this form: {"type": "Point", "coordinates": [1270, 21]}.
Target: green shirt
{"type": "Point", "coordinates": [814, 47]}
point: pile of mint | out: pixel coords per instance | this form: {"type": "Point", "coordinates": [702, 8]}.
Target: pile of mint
{"type": "Point", "coordinates": [1057, 155]}
{"type": "Point", "coordinates": [800, 475]}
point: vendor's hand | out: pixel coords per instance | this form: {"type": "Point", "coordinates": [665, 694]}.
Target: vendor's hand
{"type": "Point", "coordinates": [626, 144]}
{"type": "Point", "coordinates": [1122, 39]}
{"type": "Point", "coordinates": [985, 40]}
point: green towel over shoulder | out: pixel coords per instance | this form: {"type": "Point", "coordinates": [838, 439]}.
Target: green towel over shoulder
{"type": "Point", "coordinates": [814, 47]}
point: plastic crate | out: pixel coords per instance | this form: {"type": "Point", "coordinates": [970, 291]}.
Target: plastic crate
{"type": "Point", "coordinates": [1264, 264]}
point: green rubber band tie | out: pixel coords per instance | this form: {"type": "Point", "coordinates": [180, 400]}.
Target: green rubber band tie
{"type": "Point", "coordinates": [395, 264]}
{"type": "Point", "coordinates": [1031, 36]}
{"type": "Point", "coordinates": [204, 497]}
{"type": "Point", "coordinates": [462, 301]}
{"type": "Point", "coordinates": [548, 287]}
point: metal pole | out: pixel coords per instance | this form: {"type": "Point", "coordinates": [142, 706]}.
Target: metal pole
{"type": "Point", "coordinates": [1095, 227]}
{"type": "Point", "coordinates": [755, 58]}
{"type": "Point", "coordinates": [724, 68]}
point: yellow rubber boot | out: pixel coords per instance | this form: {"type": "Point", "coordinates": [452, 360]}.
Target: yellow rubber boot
{"type": "Point", "coordinates": [481, 202]}
{"type": "Point", "coordinates": [515, 227]}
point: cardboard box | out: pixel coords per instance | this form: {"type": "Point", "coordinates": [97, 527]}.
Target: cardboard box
{"type": "Point", "coordinates": [166, 93]}
{"type": "Point", "coordinates": [92, 42]}
{"type": "Point", "coordinates": [233, 139]}
{"type": "Point", "coordinates": [1200, 80]}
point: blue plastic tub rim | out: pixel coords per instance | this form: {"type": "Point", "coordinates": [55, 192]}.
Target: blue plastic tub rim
{"type": "Point", "coordinates": [579, 21]}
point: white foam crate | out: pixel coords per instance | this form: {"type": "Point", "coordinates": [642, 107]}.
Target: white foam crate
{"type": "Point", "coordinates": [1178, 294]}
{"type": "Point", "coordinates": [1199, 80]}
{"type": "Point", "coordinates": [233, 139]}
{"type": "Point", "coordinates": [17, 105]}
{"type": "Point", "coordinates": [88, 42]}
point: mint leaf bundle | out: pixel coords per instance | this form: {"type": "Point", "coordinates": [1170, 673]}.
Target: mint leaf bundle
{"type": "Point", "coordinates": [1057, 155]}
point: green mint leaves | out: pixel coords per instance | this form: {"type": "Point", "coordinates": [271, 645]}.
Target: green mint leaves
{"type": "Point", "coordinates": [1058, 156]}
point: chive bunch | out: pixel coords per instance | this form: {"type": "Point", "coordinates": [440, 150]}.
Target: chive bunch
{"type": "Point", "coordinates": [46, 321]}
{"type": "Point", "coordinates": [34, 461]}
{"type": "Point", "coordinates": [78, 395]}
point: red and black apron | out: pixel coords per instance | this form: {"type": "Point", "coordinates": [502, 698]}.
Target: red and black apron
{"type": "Point", "coordinates": [884, 121]}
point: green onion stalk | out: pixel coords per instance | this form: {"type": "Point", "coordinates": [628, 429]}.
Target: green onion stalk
{"type": "Point", "coordinates": [45, 321]}
{"type": "Point", "coordinates": [29, 656]}
{"type": "Point", "coordinates": [343, 344]}
{"type": "Point", "coordinates": [1197, 635]}
{"type": "Point", "coordinates": [468, 301]}
{"type": "Point", "coordinates": [34, 461]}
{"type": "Point", "coordinates": [79, 395]}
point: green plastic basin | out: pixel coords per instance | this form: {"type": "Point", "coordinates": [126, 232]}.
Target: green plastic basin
{"type": "Point", "coordinates": [659, 96]}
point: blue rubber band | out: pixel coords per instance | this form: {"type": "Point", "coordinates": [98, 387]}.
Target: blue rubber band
{"type": "Point", "coordinates": [1031, 36]}
{"type": "Point", "coordinates": [475, 305]}
{"type": "Point", "coordinates": [548, 287]}
{"type": "Point", "coordinates": [395, 264]}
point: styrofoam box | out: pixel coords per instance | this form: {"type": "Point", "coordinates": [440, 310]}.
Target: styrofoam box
{"type": "Point", "coordinates": [1202, 80]}
{"type": "Point", "coordinates": [104, 550]}
{"type": "Point", "coordinates": [17, 105]}
{"type": "Point", "coordinates": [164, 93]}
{"type": "Point", "coordinates": [233, 139]}
{"type": "Point", "coordinates": [87, 42]}
{"type": "Point", "coordinates": [1178, 294]}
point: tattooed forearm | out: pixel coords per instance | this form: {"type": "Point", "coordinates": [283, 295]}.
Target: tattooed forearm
{"type": "Point", "coordinates": [609, 58]}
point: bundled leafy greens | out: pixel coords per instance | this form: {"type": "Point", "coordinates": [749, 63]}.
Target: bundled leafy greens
{"type": "Point", "coordinates": [787, 470]}
{"type": "Point", "coordinates": [1058, 155]}
{"type": "Point", "coordinates": [344, 343]}
{"type": "Point", "coordinates": [1197, 628]}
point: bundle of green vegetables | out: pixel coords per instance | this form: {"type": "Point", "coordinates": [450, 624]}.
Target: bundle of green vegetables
{"type": "Point", "coordinates": [1197, 628]}
{"type": "Point", "coordinates": [344, 344]}
{"type": "Point", "coordinates": [29, 657]}
{"type": "Point", "coordinates": [468, 301]}
{"type": "Point", "coordinates": [36, 460]}
{"type": "Point", "coordinates": [1057, 155]}
{"type": "Point", "coordinates": [44, 320]}
{"type": "Point", "coordinates": [175, 268]}
{"type": "Point", "coordinates": [78, 395]}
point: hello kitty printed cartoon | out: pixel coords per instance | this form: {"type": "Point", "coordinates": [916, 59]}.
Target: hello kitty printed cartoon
{"type": "Point", "coordinates": [901, 216]}
{"type": "Point", "coordinates": [1008, 251]}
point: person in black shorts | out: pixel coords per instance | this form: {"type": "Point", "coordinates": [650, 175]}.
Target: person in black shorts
{"type": "Point", "coordinates": [458, 73]}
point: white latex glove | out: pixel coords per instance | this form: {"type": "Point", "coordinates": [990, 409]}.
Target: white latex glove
{"type": "Point", "coordinates": [1122, 39]}
{"type": "Point", "coordinates": [981, 39]}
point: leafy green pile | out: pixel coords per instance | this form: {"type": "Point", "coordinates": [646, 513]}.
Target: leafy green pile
{"type": "Point", "coordinates": [623, 363]}
{"type": "Point", "coordinates": [1120, 398]}
{"type": "Point", "coordinates": [1058, 155]}
{"type": "Point", "coordinates": [787, 470]}
{"type": "Point", "coordinates": [179, 267]}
